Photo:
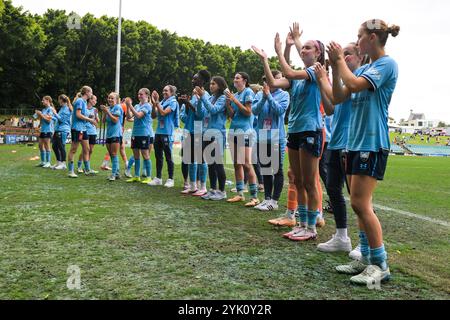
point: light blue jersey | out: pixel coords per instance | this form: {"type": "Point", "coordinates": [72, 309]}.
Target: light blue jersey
{"type": "Point", "coordinates": [340, 126]}
{"type": "Point", "coordinates": [270, 111]}
{"type": "Point", "coordinates": [369, 119]}
{"type": "Point", "coordinates": [327, 120]}
{"type": "Point", "coordinates": [193, 120]}
{"type": "Point", "coordinates": [114, 130]}
{"type": "Point", "coordinates": [166, 125]}
{"type": "Point", "coordinates": [143, 127]}
{"type": "Point", "coordinates": [78, 124]}
{"type": "Point", "coordinates": [241, 121]}
{"type": "Point", "coordinates": [90, 128]}
{"type": "Point", "coordinates": [64, 119]}
{"type": "Point", "coordinates": [305, 109]}
{"type": "Point", "coordinates": [215, 114]}
{"type": "Point", "coordinates": [47, 126]}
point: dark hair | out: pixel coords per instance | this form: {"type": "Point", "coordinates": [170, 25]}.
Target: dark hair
{"type": "Point", "coordinates": [274, 74]}
{"type": "Point", "coordinates": [204, 75]}
{"type": "Point", "coordinates": [221, 83]}
{"type": "Point", "coordinates": [321, 58]}
{"type": "Point", "coordinates": [246, 77]}
{"type": "Point", "coordinates": [381, 29]}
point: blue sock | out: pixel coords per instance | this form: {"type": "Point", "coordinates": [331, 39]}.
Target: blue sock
{"type": "Point", "coordinates": [193, 172]}
{"type": "Point", "coordinates": [240, 187]}
{"type": "Point", "coordinates": [253, 188]}
{"type": "Point", "coordinates": [115, 165]}
{"type": "Point", "coordinates": [303, 214]}
{"type": "Point", "coordinates": [79, 163]}
{"type": "Point", "coordinates": [148, 168]}
{"type": "Point", "coordinates": [87, 165]}
{"type": "Point", "coordinates": [312, 218]}
{"type": "Point", "coordinates": [203, 172]}
{"type": "Point", "coordinates": [48, 156]}
{"type": "Point", "coordinates": [70, 166]}
{"type": "Point", "coordinates": [137, 167]}
{"type": "Point", "coordinates": [131, 162]}
{"type": "Point", "coordinates": [42, 156]}
{"type": "Point", "coordinates": [365, 250]}
{"type": "Point", "coordinates": [378, 257]}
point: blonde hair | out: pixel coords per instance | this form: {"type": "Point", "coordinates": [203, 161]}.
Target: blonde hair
{"type": "Point", "coordinates": [381, 29]}
{"type": "Point", "coordinates": [116, 96]}
{"type": "Point", "coordinates": [65, 99]}
{"type": "Point", "coordinates": [77, 96]}
{"type": "Point", "coordinates": [147, 92]}
{"type": "Point", "coordinates": [49, 99]}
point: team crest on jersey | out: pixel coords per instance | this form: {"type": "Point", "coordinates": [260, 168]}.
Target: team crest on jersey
{"type": "Point", "coordinates": [364, 156]}
{"type": "Point", "coordinates": [374, 73]}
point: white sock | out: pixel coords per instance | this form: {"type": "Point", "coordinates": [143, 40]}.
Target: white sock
{"type": "Point", "coordinates": [193, 185]}
{"type": "Point", "coordinates": [342, 234]}
{"type": "Point", "coordinates": [203, 186]}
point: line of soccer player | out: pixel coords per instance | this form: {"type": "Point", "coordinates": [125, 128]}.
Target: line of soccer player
{"type": "Point", "coordinates": [353, 151]}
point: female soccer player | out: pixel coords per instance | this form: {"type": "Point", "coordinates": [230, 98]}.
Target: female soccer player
{"type": "Point", "coordinates": [91, 130]}
{"type": "Point", "coordinates": [214, 138]}
{"type": "Point", "coordinates": [79, 133]}
{"type": "Point", "coordinates": [270, 107]}
{"type": "Point", "coordinates": [336, 147]}
{"type": "Point", "coordinates": [142, 136]}
{"type": "Point", "coordinates": [305, 128]}
{"type": "Point", "coordinates": [112, 116]}
{"type": "Point", "coordinates": [193, 120]}
{"type": "Point", "coordinates": [47, 129]}
{"type": "Point", "coordinates": [167, 114]}
{"type": "Point", "coordinates": [242, 136]}
{"type": "Point", "coordinates": [62, 130]}
{"type": "Point", "coordinates": [370, 89]}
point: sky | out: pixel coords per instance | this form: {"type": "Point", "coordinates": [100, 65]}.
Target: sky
{"type": "Point", "coordinates": [424, 33]}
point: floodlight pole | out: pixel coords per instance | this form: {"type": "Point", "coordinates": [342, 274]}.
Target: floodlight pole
{"type": "Point", "coordinates": [119, 40]}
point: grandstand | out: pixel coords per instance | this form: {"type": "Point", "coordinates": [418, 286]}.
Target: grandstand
{"type": "Point", "coordinates": [429, 150]}
{"type": "Point", "coordinates": [397, 149]}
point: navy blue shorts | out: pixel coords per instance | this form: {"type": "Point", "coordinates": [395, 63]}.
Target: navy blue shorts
{"type": "Point", "coordinates": [78, 136]}
{"type": "Point", "coordinates": [92, 139]}
{"type": "Point", "coordinates": [244, 140]}
{"type": "Point", "coordinates": [372, 164]}
{"type": "Point", "coordinates": [310, 141]}
{"type": "Point", "coordinates": [45, 135]}
{"type": "Point", "coordinates": [141, 143]}
{"type": "Point", "coordinates": [114, 140]}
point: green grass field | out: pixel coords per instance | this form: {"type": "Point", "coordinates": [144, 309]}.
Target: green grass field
{"type": "Point", "coordinates": [138, 242]}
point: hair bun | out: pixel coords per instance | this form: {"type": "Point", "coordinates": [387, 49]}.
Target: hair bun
{"type": "Point", "coordinates": [394, 30]}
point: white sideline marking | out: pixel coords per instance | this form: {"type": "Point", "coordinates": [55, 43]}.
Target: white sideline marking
{"type": "Point", "coordinates": [405, 213]}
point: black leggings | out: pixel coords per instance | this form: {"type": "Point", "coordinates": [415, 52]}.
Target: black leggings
{"type": "Point", "coordinates": [323, 170]}
{"type": "Point", "coordinates": [163, 146]}
{"type": "Point", "coordinates": [59, 146]}
{"type": "Point", "coordinates": [335, 183]}
{"type": "Point", "coordinates": [274, 181]}
{"type": "Point", "coordinates": [216, 170]}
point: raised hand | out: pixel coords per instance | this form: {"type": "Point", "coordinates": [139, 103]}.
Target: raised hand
{"type": "Point", "coordinates": [320, 71]}
{"type": "Point", "coordinates": [278, 44]}
{"type": "Point", "coordinates": [199, 91]}
{"type": "Point", "coordinates": [289, 39]}
{"type": "Point", "coordinates": [335, 52]}
{"type": "Point", "coordinates": [155, 97]}
{"type": "Point", "coordinates": [296, 31]}
{"type": "Point", "coordinates": [261, 53]}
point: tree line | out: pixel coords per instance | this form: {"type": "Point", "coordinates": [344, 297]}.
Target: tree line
{"type": "Point", "coordinates": [41, 55]}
